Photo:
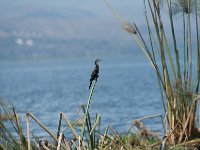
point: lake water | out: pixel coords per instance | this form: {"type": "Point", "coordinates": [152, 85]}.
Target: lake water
{"type": "Point", "coordinates": [126, 89]}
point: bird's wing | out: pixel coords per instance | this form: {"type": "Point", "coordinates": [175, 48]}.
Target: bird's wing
{"type": "Point", "coordinates": [93, 72]}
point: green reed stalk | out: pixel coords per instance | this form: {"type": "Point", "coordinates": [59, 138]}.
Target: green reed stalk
{"type": "Point", "coordinates": [185, 51]}
{"type": "Point", "coordinates": [22, 138]}
{"type": "Point", "coordinates": [160, 34]}
{"type": "Point", "coordinates": [99, 131]}
{"type": "Point", "coordinates": [198, 57]}
{"type": "Point", "coordinates": [169, 3]}
{"type": "Point", "coordinates": [87, 108]}
{"type": "Point", "coordinates": [179, 97]}
{"type": "Point", "coordinates": [3, 104]}
{"type": "Point", "coordinates": [89, 126]}
{"type": "Point", "coordinates": [10, 137]}
{"type": "Point", "coordinates": [190, 47]}
{"type": "Point", "coordinates": [86, 117]}
{"type": "Point", "coordinates": [154, 59]}
{"type": "Point", "coordinates": [198, 50]}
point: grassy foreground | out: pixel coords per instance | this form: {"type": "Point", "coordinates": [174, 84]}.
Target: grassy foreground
{"type": "Point", "coordinates": [86, 133]}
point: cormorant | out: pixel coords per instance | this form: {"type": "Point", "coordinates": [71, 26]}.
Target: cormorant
{"type": "Point", "coordinates": [95, 72]}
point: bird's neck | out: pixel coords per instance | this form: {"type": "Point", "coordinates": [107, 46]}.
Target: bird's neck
{"type": "Point", "coordinates": [96, 64]}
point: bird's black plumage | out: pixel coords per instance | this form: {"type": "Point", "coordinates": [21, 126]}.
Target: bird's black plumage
{"type": "Point", "coordinates": [95, 72]}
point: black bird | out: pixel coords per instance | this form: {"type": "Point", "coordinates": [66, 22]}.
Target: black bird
{"type": "Point", "coordinates": [95, 72]}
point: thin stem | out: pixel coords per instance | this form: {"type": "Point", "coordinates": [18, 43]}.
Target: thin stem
{"type": "Point", "coordinates": [190, 45]}
{"type": "Point", "coordinates": [174, 39]}
{"type": "Point", "coordinates": [198, 50]}
{"type": "Point", "coordinates": [87, 107]}
{"type": "Point", "coordinates": [28, 131]}
{"type": "Point", "coordinates": [115, 13]}
{"type": "Point", "coordinates": [185, 53]}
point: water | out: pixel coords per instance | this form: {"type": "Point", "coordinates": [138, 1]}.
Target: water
{"type": "Point", "coordinates": [126, 89]}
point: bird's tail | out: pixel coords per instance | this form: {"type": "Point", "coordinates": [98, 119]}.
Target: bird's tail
{"type": "Point", "coordinates": [90, 85]}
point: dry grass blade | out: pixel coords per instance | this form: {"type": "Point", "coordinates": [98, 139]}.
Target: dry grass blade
{"type": "Point", "coordinates": [59, 125]}
{"type": "Point", "coordinates": [66, 144]}
{"type": "Point", "coordinates": [74, 144]}
{"type": "Point", "coordinates": [9, 114]}
{"type": "Point", "coordinates": [148, 117]}
{"type": "Point", "coordinates": [95, 124]}
{"type": "Point", "coordinates": [79, 143]}
{"type": "Point", "coordinates": [104, 136]}
{"type": "Point", "coordinates": [72, 129]}
{"type": "Point", "coordinates": [3, 148]}
{"type": "Point", "coordinates": [115, 13]}
{"type": "Point", "coordinates": [189, 115]}
{"type": "Point", "coordinates": [4, 117]}
{"type": "Point", "coordinates": [44, 147]}
{"type": "Point", "coordinates": [59, 141]}
{"type": "Point", "coordinates": [118, 137]}
{"type": "Point", "coordinates": [21, 136]}
{"type": "Point", "coordinates": [41, 125]}
{"type": "Point", "coordinates": [70, 126]}
{"type": "Point", "coordinates": [28, 131]}
{"type": "Point", "coordinates": [189, 143]}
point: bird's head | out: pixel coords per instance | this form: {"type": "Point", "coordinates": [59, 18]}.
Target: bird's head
{"type": "Point", "coordinates": [97, 60]}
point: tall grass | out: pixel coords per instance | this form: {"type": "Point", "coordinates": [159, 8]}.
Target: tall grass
{"type": "Point", "coordinates": [179, 92]}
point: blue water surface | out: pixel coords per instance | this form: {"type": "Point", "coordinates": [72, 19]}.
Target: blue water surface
{"type": "Point", "coordinates": [127, 89]}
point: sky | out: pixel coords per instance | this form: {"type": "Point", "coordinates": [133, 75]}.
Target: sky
{"type": "Point", "coordinates": [47, 28]}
